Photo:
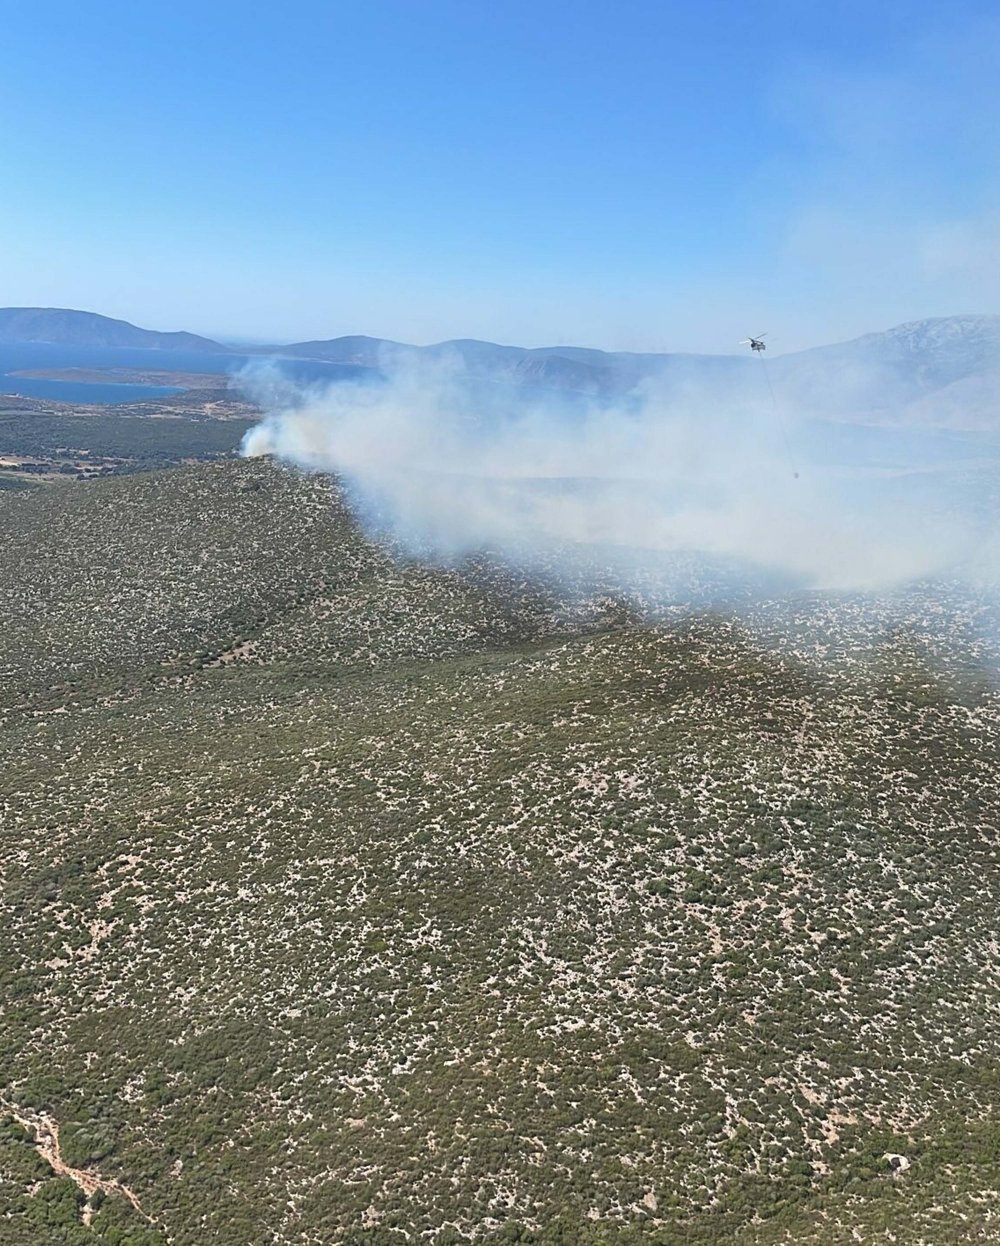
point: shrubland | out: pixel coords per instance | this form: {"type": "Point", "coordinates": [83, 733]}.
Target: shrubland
{"type": "Point", "coordinates": [347, 898]}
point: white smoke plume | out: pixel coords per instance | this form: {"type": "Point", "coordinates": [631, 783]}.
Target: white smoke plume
{"type": "Point", "coordinates": [452, 467]}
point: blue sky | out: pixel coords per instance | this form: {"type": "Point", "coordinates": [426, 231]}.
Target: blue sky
{"type": "Point", "coordinates": [632, 175]}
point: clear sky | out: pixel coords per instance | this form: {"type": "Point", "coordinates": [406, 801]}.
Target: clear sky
{"type": "Point", "coordinates": [636, 174]}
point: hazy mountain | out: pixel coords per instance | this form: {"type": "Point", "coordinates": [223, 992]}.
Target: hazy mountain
{"type": "Point", "coordinates": [923, 353]}
{"type": "Point", "coordinates": [484, 360]}
{"type": "Point", "coordinates": [365, 352]}
{"type": "Point", "coordinates": [943, 371]}
{"type": "Point", "coordinates": [563, 367]}
{"type": "Point", "coordinates": [80, 328]}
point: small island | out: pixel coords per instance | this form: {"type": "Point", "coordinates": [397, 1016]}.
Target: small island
{"type": "Point", "coordinates": [127, 376]}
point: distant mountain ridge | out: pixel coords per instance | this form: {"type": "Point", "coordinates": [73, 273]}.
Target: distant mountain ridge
{"type": "Point", "coordinates": [942, 370]}
{"type": "Point", "coordinates": [564, 367]}
{"type": "Point", "coordinates": [66, 327]}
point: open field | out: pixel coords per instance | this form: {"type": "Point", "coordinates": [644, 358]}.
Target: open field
{"type": "Point", "coordinates": [347, 900]}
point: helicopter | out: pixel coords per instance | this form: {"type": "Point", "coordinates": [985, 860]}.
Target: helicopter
{"type": "Point", "coordinates": [755, 343]}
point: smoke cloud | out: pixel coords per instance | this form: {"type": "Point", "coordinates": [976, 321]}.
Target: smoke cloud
{"type": "Point", "coordinates": [726, 476]}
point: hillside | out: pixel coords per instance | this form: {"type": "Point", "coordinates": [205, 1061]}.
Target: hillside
{"type": "Point", "coordinates": [348, 900]}
{"type": "Point", "coordinates": [80, 328]}
{"type": "Point", "coordinates": [934, 352]}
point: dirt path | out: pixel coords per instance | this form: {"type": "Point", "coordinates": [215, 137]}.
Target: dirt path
{"type": "Point", "coordinates": [46, 1135]}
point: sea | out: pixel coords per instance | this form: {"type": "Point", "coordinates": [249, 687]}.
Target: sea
{"type": "Point", "coordinates": [15, 357]}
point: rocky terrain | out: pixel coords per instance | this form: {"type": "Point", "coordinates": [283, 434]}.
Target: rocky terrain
{"type": "Point", "coordinates": [351, 899]}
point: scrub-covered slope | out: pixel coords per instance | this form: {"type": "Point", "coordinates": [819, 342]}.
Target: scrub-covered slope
{"type": "Point", "coordinates": [351, 901]}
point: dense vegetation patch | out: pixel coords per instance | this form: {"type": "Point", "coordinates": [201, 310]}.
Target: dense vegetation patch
{"type": "Point", "coordinates": [140, 442]}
